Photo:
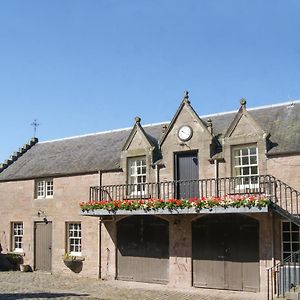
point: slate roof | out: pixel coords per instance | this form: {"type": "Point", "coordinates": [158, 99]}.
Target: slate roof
{"type": "Point", "coordinates": [101, 151]}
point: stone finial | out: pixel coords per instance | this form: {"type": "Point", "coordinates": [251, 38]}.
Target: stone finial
{"type": "Point", "coordinates": [137, 120]}
{"type": "Point", "coordinates": [209, 125]}
{"type": "Point", "coordinates": [186, 97]}
{"type": "Point", "coordinates": [164, 128]}
{"type": "Point", "coordinates": [243, 102]}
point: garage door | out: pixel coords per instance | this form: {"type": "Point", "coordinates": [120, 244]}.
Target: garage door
{"type": "Point", "coordinates": [143, 249]}
{"type": "Point", "coordinates": [226, 252]}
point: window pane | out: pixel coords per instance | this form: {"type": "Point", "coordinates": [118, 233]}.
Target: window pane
{"type": "Point", "coordinates": [295, 247]}
{"type": "Point", "coordinates": [252, 150]}
{"type": "Point", "coordinates": [254, 170]}
{"type": "Point", "coordinates": [245, 160]}
{"type": "Point", "coordinates": [286, 226]}
{"type": "Point", "coordinates": [286, 247]}
{"type": "Point", "coordinates": [253, 160]}
{"type": "Point", "coordinates": [236, 152]}
{"type": "Point", "coordinates": [245, 151]}
{"type": "Point", "coordinates": [286, 237]}
{"type": "Point", "coordinates": [245, 171]}
{"type": "Point", "coordinates": [295, 236]}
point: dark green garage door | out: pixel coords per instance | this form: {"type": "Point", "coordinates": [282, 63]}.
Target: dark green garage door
{"type": "Point", "coordinates": [143, 249]}
{"type": "Point", "coordinates": [226, 252]}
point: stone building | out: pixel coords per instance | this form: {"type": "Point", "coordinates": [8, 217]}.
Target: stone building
{"type": "Point", "coordinates": [247, 153]}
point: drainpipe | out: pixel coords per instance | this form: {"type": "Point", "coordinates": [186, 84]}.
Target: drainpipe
{"type": "Point", "coordinates": [217, 176]}
{"type": "Point", "coordinates": [100, 172]}
{"type": "Point", "coordinates": [273, 238]}
{"type": "Point", "coordinates": [99, 247]}
{"type": "Point", "coordinates": [157, 180]}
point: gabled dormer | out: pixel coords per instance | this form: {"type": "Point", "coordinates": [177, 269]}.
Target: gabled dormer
{"type": "Point", "coordinates": [137, 157]}
{"type": "Point", "coordinates": [185, 116]}
{"type": "Point", "coordinates": [244, 146]}
{"type": "Point", "coordinates": [244, 124]}
{"type": "Point", "coordinates": [186, 145]}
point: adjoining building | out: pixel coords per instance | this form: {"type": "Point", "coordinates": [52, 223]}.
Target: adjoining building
{"type": "Point", "coordinates": [247, 155]}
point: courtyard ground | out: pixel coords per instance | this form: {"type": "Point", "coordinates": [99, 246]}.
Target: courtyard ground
{"type": "Point", "coordinates": [36, 285]}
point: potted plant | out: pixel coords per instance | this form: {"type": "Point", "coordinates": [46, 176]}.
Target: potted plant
{"type": "Point", "coordinates": [15, 260]}
{"type": "Point", "coordinates": [73, 262]}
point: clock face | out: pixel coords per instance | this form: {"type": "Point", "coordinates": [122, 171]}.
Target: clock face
{"type": "Point", "coordinates": [185, 133]}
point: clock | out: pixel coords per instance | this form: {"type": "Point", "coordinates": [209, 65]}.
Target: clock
{"type": "Point", "coordinates": [185, 133]}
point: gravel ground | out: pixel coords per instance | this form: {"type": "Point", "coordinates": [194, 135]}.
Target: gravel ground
{"type": "Point", "coordinates": [36, 285]}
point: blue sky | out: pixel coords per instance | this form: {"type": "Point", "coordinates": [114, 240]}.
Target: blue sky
{"type": "Point", "coordinates": [88, 66]}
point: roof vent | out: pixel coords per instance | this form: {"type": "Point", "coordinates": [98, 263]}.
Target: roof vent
{"type": "Point", "coordinates": [18, 154]}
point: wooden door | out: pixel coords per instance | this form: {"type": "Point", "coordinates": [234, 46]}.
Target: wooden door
{"type": "Point", "coordinates": [187, 175]}
{"type": "Point", "coordinates": [43, 246]}
{"type": "Point", "coordinates": [143, 249]}
{"type": "Point", "coordinates": [226, 252]}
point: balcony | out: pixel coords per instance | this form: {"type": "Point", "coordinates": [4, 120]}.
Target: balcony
{"type": "Point", "coordinates": [262, 184]}
{"type": "Point", "coordinates": [222, 189]}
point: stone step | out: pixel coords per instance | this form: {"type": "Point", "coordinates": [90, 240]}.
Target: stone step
{"type": "Point", "coordinates": [292, 296]}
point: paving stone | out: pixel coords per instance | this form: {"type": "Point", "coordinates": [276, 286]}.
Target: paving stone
{"type": "Point", "coordinates": [37, 285]}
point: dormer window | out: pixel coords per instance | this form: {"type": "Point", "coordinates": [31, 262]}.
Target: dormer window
{"type": "Point", "coordinates": [44, 188]}
{"type": "Point", "coordinates": [137, 175]}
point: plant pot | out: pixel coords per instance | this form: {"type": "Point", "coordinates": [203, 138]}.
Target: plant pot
{"type": "Point", "coordinates": [74, 265]}
{"type": "Point", "coordinates": [25, 268]}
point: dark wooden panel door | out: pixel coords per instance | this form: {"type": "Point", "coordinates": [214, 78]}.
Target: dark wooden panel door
{"type": "Point", "coordinates": [143, 249]}
{"type": "Point", "coordinates": [43, 246]}
{"type": "Point", "coordinates": [187, 173]}
{"type": "Point", "coordinates": [208, 255]}
{"type": "Point", "coordinates": [226, 252]}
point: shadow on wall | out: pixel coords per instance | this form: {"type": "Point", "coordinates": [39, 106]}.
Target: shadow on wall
{"type": "Point", "coordinates": [15, 296]}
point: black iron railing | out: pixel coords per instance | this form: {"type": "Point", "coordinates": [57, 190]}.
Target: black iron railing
{"type": "Point", "coordinates": [186, 188]}
{"type": "Point", "coordinates": [284, 276]}
{"type": "Point", "coordinates": [285, 199]}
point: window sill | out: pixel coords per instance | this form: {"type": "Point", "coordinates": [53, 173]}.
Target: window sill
{"type": "Point", "coordinates": [73, 258]}
{"type": "Point", "coordinates": [17, 253]}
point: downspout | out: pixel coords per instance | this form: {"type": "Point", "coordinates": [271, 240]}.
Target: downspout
{"type": "Point", "coordinates": [157, 180]}
{"type": "Point", "coordinates": [100, 172]}
{"type": "Point", "coordinates": [99, 245]}
{"type": "Point", "coordinates": [217, 176]}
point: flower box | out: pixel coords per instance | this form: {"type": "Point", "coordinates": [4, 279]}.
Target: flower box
{"type": "Point", "coordinates": [228, 203]}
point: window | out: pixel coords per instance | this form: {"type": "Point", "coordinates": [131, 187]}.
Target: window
{"type": "Point", "coordinates": [74, 238]}
{"type": "Point", "coordinates": [245, 165]}
{"type": "Point", "coordinates": [289, 238]}
{"type": "Point", "coordinates": [17, 236]}
{"type": "Point", "coordinates": [137, 175]}
{"type": "Point", "coordinates": [44, 188]}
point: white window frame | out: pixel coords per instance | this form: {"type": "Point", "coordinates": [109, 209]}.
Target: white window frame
{"type": "Point", "coordinates": [241, 185]}
{"type": "Point", "coordinates": [44, 188]}
{"type": "Point", "coordinates": [17, 229]}
{"type": "Point", "coordinates": [137, 175]}
{"type": "Point", "coordinates": [289, 237]}
{"type": "Point", "coordinates": [74, 238]}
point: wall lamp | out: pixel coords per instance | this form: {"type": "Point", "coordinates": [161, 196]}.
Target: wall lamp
{"type": "Point", "coordinates": [41, 214]}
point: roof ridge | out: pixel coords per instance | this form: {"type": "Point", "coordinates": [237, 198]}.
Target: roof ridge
{"type": "Point", "coordinates": [161, 123]}
{"type": "Point", "coordinates": [100, 132]}
{"type": "Point", "coordinates": [252, 108]}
